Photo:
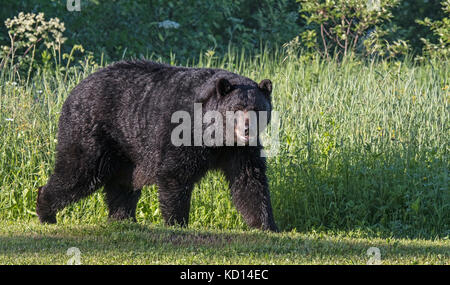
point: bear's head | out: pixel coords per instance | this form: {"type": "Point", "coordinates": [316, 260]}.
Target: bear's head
{"type": "Point", "coordinates": [244, 105]}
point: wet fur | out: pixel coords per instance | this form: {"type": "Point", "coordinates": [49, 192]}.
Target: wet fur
{"type": "Point", "coordinates": [115, 129]}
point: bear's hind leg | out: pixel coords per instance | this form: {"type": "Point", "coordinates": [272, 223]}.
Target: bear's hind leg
{"type": "Point", "coordinates": [62, 190]}
{"type": "Point", "coordinates": [121, 197]}
{"type": "Point", "coordinates": [77, 174]}
{"type": "Point", "coordinates": [44, 209]}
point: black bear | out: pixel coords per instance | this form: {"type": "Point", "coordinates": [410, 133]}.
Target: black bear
{"type": "Point", "coordinates": [115, 131]}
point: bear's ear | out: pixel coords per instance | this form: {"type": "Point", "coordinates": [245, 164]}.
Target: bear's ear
{"type": "Point", "coordinates": [223, 87]}
{"type": "Point", "coordinates": [266, 86]}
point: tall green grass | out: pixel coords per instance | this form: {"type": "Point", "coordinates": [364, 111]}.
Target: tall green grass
{"type": "Point", "coordinates": [363, 146]}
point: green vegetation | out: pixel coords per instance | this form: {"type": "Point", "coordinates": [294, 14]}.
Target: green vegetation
{"type": "Point", "coordinates": [186, 28]}
{"type": "Point", "coordinates": [343, 25]}
{"type": "Point", "coordinates": [122, 28]}
{"type": "Point", "coordinates": [362, 146]}
{"type": "Point", "coordinates": [124, 243]}
{"type": "Point", "coordinates": [364, 141]}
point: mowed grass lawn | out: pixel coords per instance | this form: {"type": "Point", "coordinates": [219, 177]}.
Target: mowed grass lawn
{"type": "Point", "coordinates": [362, 162]}
{"type": "Point", "coordinates": [131, 243]}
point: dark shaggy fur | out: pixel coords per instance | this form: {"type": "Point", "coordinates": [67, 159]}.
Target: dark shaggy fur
{"type": "Point", "coordinates": [115, 130]}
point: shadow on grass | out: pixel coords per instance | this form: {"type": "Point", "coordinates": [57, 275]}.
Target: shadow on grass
{"type": "Point", "coordinates": [134, 242]}
{"type": "Point", "coordinates": [399, 193]}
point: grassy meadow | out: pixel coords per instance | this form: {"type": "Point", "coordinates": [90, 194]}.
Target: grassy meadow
{"type": "Point", "coordinates": [363, 161]}
{"type": "Point", "coordinates": [143, 243]}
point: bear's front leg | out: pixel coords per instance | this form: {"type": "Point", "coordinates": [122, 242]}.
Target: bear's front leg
{"type": "Point", "coordinates": [174, 201]}
{"type": "Point", "coordinates": [246, 173]}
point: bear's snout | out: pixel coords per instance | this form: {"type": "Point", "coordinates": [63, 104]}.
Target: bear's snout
{"type": "Point", "coordinates": [246, 127]}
